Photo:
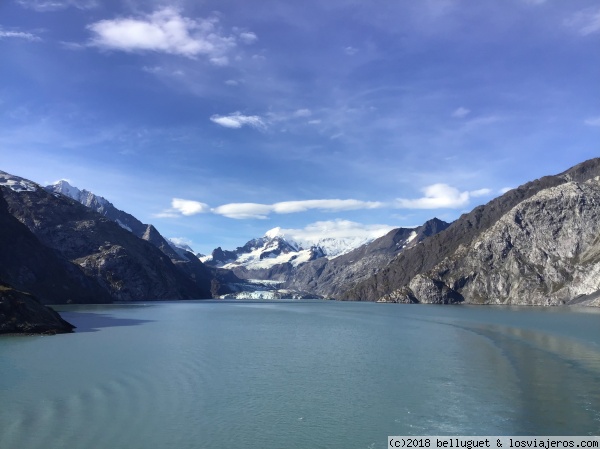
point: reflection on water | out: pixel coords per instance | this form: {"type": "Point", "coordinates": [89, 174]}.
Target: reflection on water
{"type": "Point", "coordinates": [550, 380]}
{"type": "Point", "coordinates": [298, 375]}
{"type": "Point", "coordinates": [93, 322]}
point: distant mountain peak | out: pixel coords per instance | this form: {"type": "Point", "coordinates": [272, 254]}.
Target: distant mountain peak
{"type": "Point", "coordinates": [290, 247]}
{"type": "Point", "coordinates": [85, 197]}
{"type": "Point", "coordinates": [275, 232]}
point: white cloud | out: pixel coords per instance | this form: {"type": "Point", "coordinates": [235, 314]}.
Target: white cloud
{"type": "Point", "coordinates": [55, 5]}
{"type": "Point", "coordinates": [19, 35]}
{"type": "Point", "coordinates": [256, 210]}
{"type": "Point", "coordinates": [181, 241]}
{"type": "Point", "coordinates": [437, 196]}
{"type": "Point", "coordinates": [248, 37]}
{"type": "Point", "coordinates": [188, 207]}
{"type": "Point", "coordinates": [593, 121]}
{"type": "Point", "coordinates": [288, 207]}
{"type": "Point", "coordinates": [232, 82]}
{"type": "Point", "coordinates": [261, 211]}
{"type": "Point", "coordinates": [237, 120]}
{"type": "Point", "coordinates": [461, 112]}
{"type": "Point", "coordinates": [154, 70]}
{"type": "Point", "coordinates": [165, 31]}
{"type": "Point", "coordinates": [73, 45]}
{"type": "Point", "coordinates": [350, 51]}
{"type": "Point", "coordinates": [480, 192]}
{"type": "Point", "coordinates": [586, 21]}
{"type": "Point", "coordinates": [242, 211]}
{"type": "Point", "coordinates": [169, 213]}
{"type": "Point", "coordinates": [303, 113]}
{"type": "Point", "coordinates": [220, 60]}
{"type": "Point", "coordinates": [503, 190]}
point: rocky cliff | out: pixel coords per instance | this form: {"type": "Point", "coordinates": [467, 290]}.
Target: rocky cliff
{"type": "Point", "coordinates": [330, 277]}
{"type": "Point", "coordinates": [22, 313]}
{"type": "Point", "coordinates": [538, 244]}
{"type": "Point", "coordinates": [203, 277]}
{"type": "Point", "coordinates": [28, 265]}
{"type": "Point", "coordinates": [124, 266]}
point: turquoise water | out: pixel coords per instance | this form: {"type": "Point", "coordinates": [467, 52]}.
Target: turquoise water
{"type": "Point", "coordinates": [298, 375]}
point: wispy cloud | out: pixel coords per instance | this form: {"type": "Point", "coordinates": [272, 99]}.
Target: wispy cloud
{"type": "Point", "coordinates": [441, 196]}
{"type": "Point", "coordinates": [183, 207]}
{"type": "Point", "coordinates": [261, 211]}
{"type": "Point", "coordinates": [237, 120]}
{"type": "Point", "coordinates": [303, 113]}
{"type": "Point", "coordinates": [242, 211]}
{"type": "Point", "coordinates": [166, 31]}
{"type": "Point", "coordinates": [480, 192]}
{"type": "Point", "coordinates": [288, 207]}
{"type": "Point", "coordinates": [56, 5]}
{"type": "Point", "coordinates": [586, 21]}
{"type": "Point", "coordinates": [248, 37]}
{"type": "Point", "coordinates": [4, 34]}
{"type": "Point", "coordinates": [436, 196]}
{"type": "Point", "coordinates": [592, 121]}
{"type": "Point", "coordinates": [461, 112]}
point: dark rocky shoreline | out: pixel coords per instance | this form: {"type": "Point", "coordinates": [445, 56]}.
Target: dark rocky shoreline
{"type": "Point", "coordinates": [21, 313]}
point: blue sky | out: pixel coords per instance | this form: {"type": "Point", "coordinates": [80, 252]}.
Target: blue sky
{"type": "Point", "coordinates": [219, 120]}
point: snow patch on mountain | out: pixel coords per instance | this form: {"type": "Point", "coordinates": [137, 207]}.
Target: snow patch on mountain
{"type": "Point", "coordinates": [181, 246]}
{"type": "Point", "coordinates": [123, 225]}
{"type": "Point", "coordinates": [329, 239]}
{"type": "Point", "coordinates": [256, 259]}
{"type": "Point", "coordinates": [334, 238]}
{"type": "Point", "coordinates": [15, 183]}
{"type": "Point", "coordinates": [85, 197]}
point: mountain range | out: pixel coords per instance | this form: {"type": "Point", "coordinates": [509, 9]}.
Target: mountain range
{"type": "Point", "coordinates": [317, 267]}
{"type": "Point", "coordinates": [538, 244]}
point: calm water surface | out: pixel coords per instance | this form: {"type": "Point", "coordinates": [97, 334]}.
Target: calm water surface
{"type": "Point", "coordinates": [298, 375]}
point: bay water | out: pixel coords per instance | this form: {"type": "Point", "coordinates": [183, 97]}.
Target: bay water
{"type": "Point", "coordinates": [298, 374]}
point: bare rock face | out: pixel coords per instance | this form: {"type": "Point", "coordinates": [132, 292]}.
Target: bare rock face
{"type": "Point", "coordinates": [28, 265]}
{"type": "Point", "coordinates": [190, 266]}
{"type": "Point", "coordinates": [22, 313]}
{"type": "Point", "coordinates": [536, 245]}
{"type": "Point", "coordinates": [124, 266]}
{"type": "Point", "coordinates": [330, 278]}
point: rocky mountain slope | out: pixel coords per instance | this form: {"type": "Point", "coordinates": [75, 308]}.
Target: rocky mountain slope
{"type": "Point", "coordinates": [28, 265]}
{"type": "Point", "coordinates": [206, 279]}
{"type": "Point", "coordinates": [22, 313]}
{"type": "Point", "coordinates": [330, 277]}
{"type": "Point", "coordinates": [538, 244]}
{"type": "Point", "coordinates": [122, 218]}
{"type": "Point", "coordinates": [277, 264]}
{"type": "Point", "coordinates": [124, 266]}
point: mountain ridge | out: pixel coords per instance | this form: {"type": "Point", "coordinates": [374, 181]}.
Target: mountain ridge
{"type": "Point", "coordinates": [421, 274]}
{"type": "Point", "coordinates": [124, 266]}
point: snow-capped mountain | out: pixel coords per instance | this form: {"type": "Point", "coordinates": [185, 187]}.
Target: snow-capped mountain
{"type": "Point", "coordinates": [126, 221]}
{"type": "Point", "coordinates": [291, 248]}
{"type": "Point", "coordinates": [16, 184]}
{"type": "Point", "coordinates": [100, 205]}
{"type": "Point", "coordinates": [182, 248]}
